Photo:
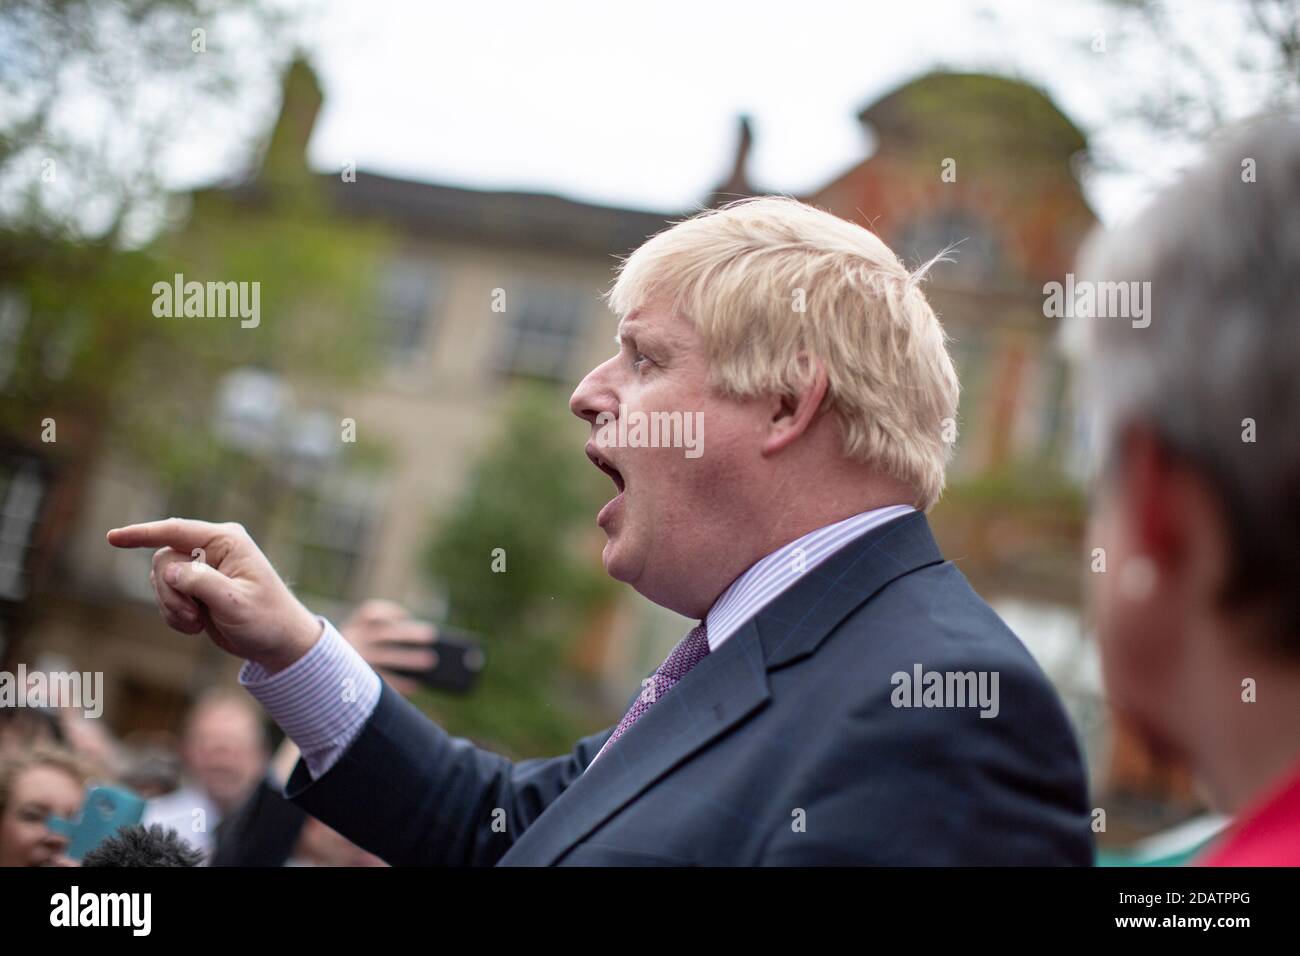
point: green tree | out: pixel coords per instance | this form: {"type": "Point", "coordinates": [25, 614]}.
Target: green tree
{"type": "Point", "coordinates": [533, 495]}
{"type": "Point", "coordinates": [95, 96]}
{"type": "Point", "coordinates": [85, 345]}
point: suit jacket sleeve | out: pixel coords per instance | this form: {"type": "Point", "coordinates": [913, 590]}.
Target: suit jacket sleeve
{"type": "Point", "coordinates": [263, 832]}
{"type": "Point", "coordinates": [415, 796]}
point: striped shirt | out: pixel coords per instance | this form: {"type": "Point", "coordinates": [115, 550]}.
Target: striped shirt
{"type": "Point", "coordinates": [323, 699]}
{"type": "Point", "coordinates": [772, 575]}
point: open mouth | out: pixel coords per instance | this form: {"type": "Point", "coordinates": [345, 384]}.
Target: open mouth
{"type": "Point", "coordinates": [600, 462]}
{"type": "Point", "coordinates": [607, 517]}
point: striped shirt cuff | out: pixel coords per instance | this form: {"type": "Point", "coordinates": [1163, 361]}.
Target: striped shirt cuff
{"type": "Point", "coordinates": [322, 700]}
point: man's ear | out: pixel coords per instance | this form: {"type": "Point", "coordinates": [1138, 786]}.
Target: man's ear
{"type": "Point", "coordinates": [793, 413]}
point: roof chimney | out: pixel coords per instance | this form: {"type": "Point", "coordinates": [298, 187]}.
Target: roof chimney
{"type": "Point", "coordinates": [737, 184]}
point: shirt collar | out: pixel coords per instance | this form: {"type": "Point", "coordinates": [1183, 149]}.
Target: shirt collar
{"type": "Point", "coordinates": [767, 578]}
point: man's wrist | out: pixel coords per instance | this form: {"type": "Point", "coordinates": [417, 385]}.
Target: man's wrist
{"type": "Point", "coordinates": [300, 638]}
{"type": "Point", "coordinates": [308, 698]}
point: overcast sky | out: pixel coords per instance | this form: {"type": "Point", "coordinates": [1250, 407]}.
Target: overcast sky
{"type": "Point", "coordinates": [635, 104]}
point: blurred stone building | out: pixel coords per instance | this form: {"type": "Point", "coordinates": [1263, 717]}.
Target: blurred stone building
{"type": "Point", "coordinates": [430, 404]}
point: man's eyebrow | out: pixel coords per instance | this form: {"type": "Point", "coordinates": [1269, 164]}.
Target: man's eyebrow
{"type": "Point", "coordinates": [623, 331]}
{"type": "Point", "coordinates": [645, 338]}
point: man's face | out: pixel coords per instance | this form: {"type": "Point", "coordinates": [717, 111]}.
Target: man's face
{"type": "Point", "coordinates": [223, 750]}
{"type": "Point", "coordinates": [676, 524]}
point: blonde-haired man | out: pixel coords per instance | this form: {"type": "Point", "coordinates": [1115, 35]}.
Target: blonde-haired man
{"type": "Point", "coordinates": [845, 698]}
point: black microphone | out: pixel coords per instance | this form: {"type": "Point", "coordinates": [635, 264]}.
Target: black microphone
{"type": "Point", "coordinates": [135, 846]}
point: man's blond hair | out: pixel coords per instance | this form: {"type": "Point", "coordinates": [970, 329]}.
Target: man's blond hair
{"type": "Point", "coordinates": [765, 279]}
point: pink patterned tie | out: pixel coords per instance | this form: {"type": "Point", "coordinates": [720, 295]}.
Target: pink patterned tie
{"type": "Point", "coordinates": [690, 650]}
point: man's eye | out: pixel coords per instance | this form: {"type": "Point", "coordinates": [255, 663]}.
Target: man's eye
{"type": "Point", "coordinates": [638, 359]}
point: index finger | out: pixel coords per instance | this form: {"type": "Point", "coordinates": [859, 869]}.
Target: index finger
{"type": "Point", "coordinates": [183, 534]}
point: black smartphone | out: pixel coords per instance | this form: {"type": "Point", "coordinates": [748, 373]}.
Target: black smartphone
{"type": "Point", "coordinates": [457, 662]}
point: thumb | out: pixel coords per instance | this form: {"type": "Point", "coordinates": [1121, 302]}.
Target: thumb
{"type": "Point", "coordinates": [201, 581]}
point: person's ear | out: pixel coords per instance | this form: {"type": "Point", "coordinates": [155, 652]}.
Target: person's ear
{"type": "Point", "coordinates": [793, 413]}
{"type": "Point", "coordinates": [1143, 472]}
{"type": "Point", "coordinates": [1176, 521]}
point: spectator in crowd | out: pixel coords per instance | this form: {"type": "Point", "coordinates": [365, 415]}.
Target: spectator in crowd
{"type": "Point", "coordinates": [1197, 507]}
{"type": "Point", "coordinates": [269, 830]}
{"type": "Point", "coordinates": [22, 728]}
{"type": "Point", "coordinates": [224, 751]}
{"type": "Point", "coordinates": [36, 784]}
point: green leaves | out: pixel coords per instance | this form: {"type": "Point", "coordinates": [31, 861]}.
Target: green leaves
{"type": "Point", "coordinates": [533, 495]}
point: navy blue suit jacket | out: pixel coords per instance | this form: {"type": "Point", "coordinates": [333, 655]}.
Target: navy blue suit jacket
{"type": "Point", "coordinates": [783, 746]}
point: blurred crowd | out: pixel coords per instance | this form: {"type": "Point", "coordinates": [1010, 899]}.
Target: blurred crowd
{"type": "Point", "coordinates": [217, 786]}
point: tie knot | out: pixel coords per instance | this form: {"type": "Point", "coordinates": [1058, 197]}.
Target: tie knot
{"type": "Point", "coordinates": [690, 650]}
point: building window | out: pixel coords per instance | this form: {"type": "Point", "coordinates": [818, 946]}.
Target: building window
{"type": "Point", "coordinates": [409, 293]}
{"type": "Point", "coordinates": [975, 252]}
{"type": "Point", "coordinates": [22, 490]}
{"type": "Point", "coordinates": [544, 323]}
{"type": "Point", "coordinates": [332, 532]}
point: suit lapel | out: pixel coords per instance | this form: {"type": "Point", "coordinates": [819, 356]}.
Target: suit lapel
{"type": "Point", "coordinates": [727, 686]}
{"type": "Point", "coordinates": [793, 625]}
{"type": "Point", "coordinates": [720, 691]}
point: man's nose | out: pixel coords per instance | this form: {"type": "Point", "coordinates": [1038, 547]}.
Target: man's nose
{"type": "Point", "coordinates": [593, 395]}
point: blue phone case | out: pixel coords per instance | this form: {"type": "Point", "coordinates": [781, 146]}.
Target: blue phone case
{"type": "Point", "coordinates": [106, 810]}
